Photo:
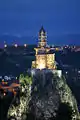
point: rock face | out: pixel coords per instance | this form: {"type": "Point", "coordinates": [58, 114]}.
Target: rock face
{"type": "Point", "coordinates": [44, 98]}
{"type": "Point", "coordinates": [48, 92]}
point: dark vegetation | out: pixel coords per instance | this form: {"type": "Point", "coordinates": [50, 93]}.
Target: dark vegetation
{"type": "Point", "coordinates": [4, 106]}
{"type": "Point", "coordinates": [14, 61]}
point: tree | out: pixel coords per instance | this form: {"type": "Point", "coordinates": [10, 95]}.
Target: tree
{"type": "Point", "coordinates": [20, 111]}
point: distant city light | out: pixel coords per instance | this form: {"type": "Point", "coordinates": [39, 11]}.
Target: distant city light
{"type": "Point", "coordinates": [5, 45]}
{"type": "Point", "coordinates": [0, 77]}
{"type": "Point", "coordinates": [66, 72]}
{"type": "Point", "coordinates": [57, 49]}
{"type": "Point", "coordinates": [52, 45]}
{"type": "Point", "coordinates": [4, 94]}
{"type": "Point", "coordinates": [16, 45]}
{"type": "Point", "coordinates": [79, 71]}
{"type": "Point", "coordinates": [2, 80]}
{"type": "Point", "coordinates": [25, 45]}
{"type": "Point", "coordinates": [6, 77]}
{"type": "Point", "coordinates": [6, 83]}
{"type": "Point", "coordinates": [67, 45]}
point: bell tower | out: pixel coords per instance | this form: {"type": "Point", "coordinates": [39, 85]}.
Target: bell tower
{"type": "Point", "coordinates": [44, 57]}
{"type": "Point", "coordinates": [42, 38]}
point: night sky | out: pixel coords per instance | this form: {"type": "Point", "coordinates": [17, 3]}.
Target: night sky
{"type": "Point", "coordinates": [60, 18]}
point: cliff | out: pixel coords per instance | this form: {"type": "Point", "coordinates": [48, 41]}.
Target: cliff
{"type": "Point", "coordinates": [49, 97]}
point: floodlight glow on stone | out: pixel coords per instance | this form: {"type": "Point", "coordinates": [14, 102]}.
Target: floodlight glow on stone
{"type": "Point", "coordinates": [41, 66]}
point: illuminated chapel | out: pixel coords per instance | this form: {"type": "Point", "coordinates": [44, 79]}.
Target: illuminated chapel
{"type": "Point", "coordinates": [44, 57]}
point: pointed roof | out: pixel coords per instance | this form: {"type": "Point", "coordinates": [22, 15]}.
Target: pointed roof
{"type": "Point", "coordinates": [42, 29]}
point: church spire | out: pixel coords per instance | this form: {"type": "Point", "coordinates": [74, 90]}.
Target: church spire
{"type": "Point", "coordinates": [42, 37]}
{"type": "Point", "coordinates": [42, 30]}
